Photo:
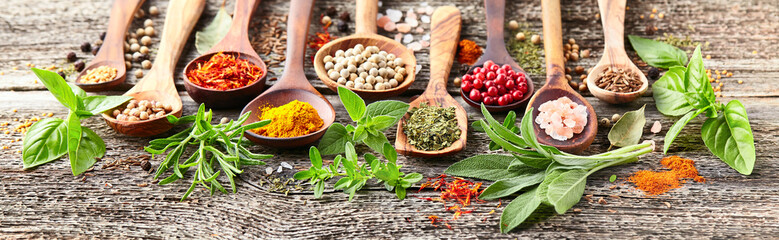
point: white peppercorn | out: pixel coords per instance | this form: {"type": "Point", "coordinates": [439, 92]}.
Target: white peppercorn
{"type": "Point", "coordinates": [146, 64]}
{"type": "Point", "coordinates": [139, 73]}
{"type": "Point", "coordinates": [154, 11]}
{"type": "Point", "coordinates": [144, 50]}
{"type": "Point", "coordinates": [149, 31]}
{"type": "Point", "coordinates": [135, 47]}
{"type": "Point", "coordinates": [146, 40]}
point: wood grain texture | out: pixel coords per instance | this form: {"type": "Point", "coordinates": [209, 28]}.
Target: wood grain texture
{"type": "Point", "coordinates": [49, 202]}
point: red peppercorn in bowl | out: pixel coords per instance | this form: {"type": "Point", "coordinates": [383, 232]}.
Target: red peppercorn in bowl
{"type": "Point", "coordinates": [500, 88]}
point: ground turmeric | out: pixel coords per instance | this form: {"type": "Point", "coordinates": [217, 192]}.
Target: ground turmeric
{"type": "Point", "coordinates": [468, 52]}
{"type": "Point", "coordinates": [654, 182]}
{"type": "Point", "coordinates": [293, 119]}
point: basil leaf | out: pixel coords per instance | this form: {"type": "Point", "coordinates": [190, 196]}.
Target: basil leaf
{"type": "Point", "coordinates": [567, 189]}
{"type": "Point", "coordinates": [519, 210]}
{"type": "Point", "coordinates": [628, 129]}
{"type": "Point", "coordinates": [381, 123]}
{"type": "Point", "coordinates": [700, 94]}
{"type": "Point", "coordinates": [730, 138]}
{"type": "Point", "coordinates": [74, 139]}
{"type": "Point", "coordinates": [214, 32]}
{"type": "Point", "coordinates": [376, 142]}
{"type": "Point", "coordinates": [669, 93]}
{"type": "Point", "coordinates": [543, 188]}
{"type": "Point", "coordinates": [98, 104]}
{"type": "Point", "coordinates": [395, 109]}
{"type": "Point", "coordinates": [334, 140]}
{"type": "Point", "coordinates": [90, 147]}
{"type": "Point", "coordinates": [510, 186]}
{"type": "Point", "coordinates": [58, 87]}
{"type": "Point", "coordinates": [492, 167]}
{"type": "Point", "coordinates": [354, 105]}
{"type": "Point", "coordinates": [45, 141]}
{"type": "Point", "coordinates": [658, 54]}
{"type": "Point", "coordinates": [677, 128]}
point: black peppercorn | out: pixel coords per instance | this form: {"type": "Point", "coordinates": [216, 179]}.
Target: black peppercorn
{"type": "Point", "coordinates": [342, 26]}
{"type": "Point", "coordinates": [102, 36]}
{"type": "Point", "coordinates": [86, 47]}
{"type": "Point", "coordinates": [653, 73]}
{"type": "Point", "coordinates": [145, 165]}
{"type": "Point", "coordinates": [94, 50]}
{"type": "Point", "coordinates": [464, 69]}
{"type": "Point", "coordinates": [331, 11]}
{"type": "Point", "coordinates": [79, 66]}
{"type": "Point", "coordinates": [62, 74]}
{"type": "Point", "coordinates": [345, 17]}
{"type": "Point", "coordinates": [71, 57]}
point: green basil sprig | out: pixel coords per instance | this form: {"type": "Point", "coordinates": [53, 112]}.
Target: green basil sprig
{"type": "Point", "coordinates": [51, 138]}
{"type": "Point", "coordinates": [356, 175]}
{"type": "Point", "coordinates": [215, 145]}
{"type": "Point", "coordinates": [546, 175]}
{"type": "Point", "coordinates": [658, 54]}
{"type": "Point", "coordinates": [371, 121]}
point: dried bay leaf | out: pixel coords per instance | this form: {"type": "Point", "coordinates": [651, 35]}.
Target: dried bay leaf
{"type": "Point", "coordinates": [214, 32]}
{"type": "Point", "coordinates": [627, 131]}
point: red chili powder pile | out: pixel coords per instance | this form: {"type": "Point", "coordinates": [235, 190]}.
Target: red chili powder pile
{"type": "Point", "coordinates": [659, 182]}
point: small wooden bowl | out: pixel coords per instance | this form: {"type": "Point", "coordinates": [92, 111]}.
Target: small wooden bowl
{"type": "Point", "coordinates": [497, 108]}
{"type": "Point", "coordinates": [281, 97]}
{"type": "Point", "coordinates": [385, 44]}
{"type": "Point", "coordinates": [221, 99]}
{"type": "Point", "coordinates": [615, 97]}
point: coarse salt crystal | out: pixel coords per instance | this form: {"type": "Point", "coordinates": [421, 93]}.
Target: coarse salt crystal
{"type": "Point", "coordinates": [411, 15]}
{"type": "Point", "coordinates": [379, 15]}
{"type": "Point", "coordinates": [404, 27]}
{"type": "Point", "coordinates": [286, 165]}
{"type": "Point", "coordinates": [280, 168]}
{"type": "Point", "coordinates": [412, 22]}
{"type": "Point", "coordinates": [394, 15]}
{"type": "Point", "coordinates": [389, 27]}
{"type": "Point", "coordinates": [421, 10]}
{"type": "Point", "coordinates": [408, 38]}
{"type": "Point", "coordinates": [656, 127]}
{"type": "Point", "coordinates": [420, 30]}
{"type": "Point", "coordinates": [425, 18]}
{"type": "Point", "coordinates": [429, 10]}
{"type": "Point", "coordinates": [268, 170]}
{"type": "Point", "coordinates": [415, 46]}
{"type": "Point", "coordinates": [426, 37]}
{"type": "Point", "coordinates": [419, 68]}
{"type": "Point", "coordinates": [562, 118]}
{"type": "Point", "coordinates": [424, 43]}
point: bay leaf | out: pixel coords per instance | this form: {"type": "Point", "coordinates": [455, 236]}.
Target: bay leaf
{"type": "Point", "coordinates": [627, 131]}
{"type": "Point", "coordinates": [214, 32]}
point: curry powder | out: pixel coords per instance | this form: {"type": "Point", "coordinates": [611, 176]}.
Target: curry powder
{"type": "Point", "coordinates": [293, 119]}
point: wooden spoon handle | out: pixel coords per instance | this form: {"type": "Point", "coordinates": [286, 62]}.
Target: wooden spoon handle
{"type": "Point", "coordinates": [444, 34]}
{"type": "Point", "coordinates": [182, 17]}
{"type": "Point", "coordinates": [238, 36]}
{"type": "Point", "coordinates": [612, 14]}
{"type": "Point", "coordinates": [495, 10]}
{"type": "Point", "coordinates": [553, 43]}
{"type": "Point", "coordinates": [367, 10]}
{"type": "Point", "coordinates": [121, 17]}
{"type": "Point", "coordinates": [297, 31]}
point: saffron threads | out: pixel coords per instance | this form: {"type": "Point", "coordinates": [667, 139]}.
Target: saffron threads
{"type": "Point", "coordinates": [224, 72]}
{"type": "Point", "coordinates": [456, 196]}
{"type": "Point", "coordinates": [655, 183]}
{"type": "Point", "coordinates": [321, 38]}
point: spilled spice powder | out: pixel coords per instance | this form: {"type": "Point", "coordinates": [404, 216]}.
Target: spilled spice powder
{"type": "Point", "coordinates": [468, 52]}
{"type": "Point", "coordinates": [655, 183]}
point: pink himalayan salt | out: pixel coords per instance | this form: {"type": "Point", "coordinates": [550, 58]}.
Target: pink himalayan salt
{"type": "Point", "coordinates": [389, 27]}
{"type": "Point", "coordinates": [398, 37]}
{"type": "Point", "coordinates": [424, 43]}
{"type": "Point", "coordinates": [414, 46]}
{"type": "Point", "coordinates": [420, 30]}
{"type": "Point", "coordinates": [382, 21]}
{"type": "Point", "coordinates": [562, 118]}
{"type": "Point", "coordinates": [403, 27]}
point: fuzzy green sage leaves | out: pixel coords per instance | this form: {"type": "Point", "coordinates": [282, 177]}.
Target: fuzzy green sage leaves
{"type": "Point", "coordinates": [51, 138]}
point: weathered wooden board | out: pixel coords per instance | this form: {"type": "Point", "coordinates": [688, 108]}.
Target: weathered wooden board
{"type": "Point", "coordinates": [49, 202]}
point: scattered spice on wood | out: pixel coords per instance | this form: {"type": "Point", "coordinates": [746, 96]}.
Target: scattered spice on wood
{"type": "Point", "coordinates": [99, 75]}
{"type": "Point", "coordinates": [619, 80]}
{"type": "Point", "coordinates": [431, 128]}
{"type": "Point", "coordinates": [659, 182]}
{"type": "Point", "coordinates": [468, 52]}
{"type": "Point", "coordinates": [126, 163]}
{"type": "Point", "coordinates": [526, 51]}
{"type": "Point", "coordinates": [456, 195]}
{"type": "Point", "coordinates": [293, 119]}
{"type": "Point", "coordinates": [224, 72]}
{"type": "Point", "coordinates": [321, 38]}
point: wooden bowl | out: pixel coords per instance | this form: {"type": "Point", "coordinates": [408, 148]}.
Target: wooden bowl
{"type": "Point", "coordinates": [279, 98]}
{"type": "Point", "coordinates": [367, 39]}
{"type": "Point", "coordinates": [615, 97]}
{"type": "Point", "coordinates": [497, 108]}
{"type": "Point", "coordinates": [221, 99]}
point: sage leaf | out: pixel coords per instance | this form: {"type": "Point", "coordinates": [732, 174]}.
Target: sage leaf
{"type": "Point", "coordinates": [669, 93]}
{"type": "Point", "coordinates": [539, 162]}
{"type": "Point", "coordinates": [98, 104]}
{"type": "Point", "coordinates": [675, 129]}
{"type": "Point", "coordinates": [518, 210]}
{"type": "Point", "coordinates": [567, 189]}
{"type": "Point", "coordinates": [58, 87]}
{"type": "Point", "coordinates": [45, 141]}
{"type": "Point", "coordinates": [334, 140]}
{"type": "Point", "coordinates": [492, 167]}
{"type": "Point", "coordinates": [354, 105]}
{"type": "Point", "coordinates": [90, 147]}
{"type": "Point", "coordinates": [214, 32]}
{"type": "Point", "coordinates": [658, 54]}
{"type": "Point", "coordinates": [730, 138]}
{"type": "Point", "coordinates": [510, 186]}
{"type": "Point", "coordinates": [543, 188]}
{"type": "Point", "coordinates": [628, 129]}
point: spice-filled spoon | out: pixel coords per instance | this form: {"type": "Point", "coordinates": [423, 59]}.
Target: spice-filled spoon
{"type": "Point", "coordinates": [292, 85]}
{"type": "Point", "coordinates": [236, 44]}
{"type": "Point", "coordinates": [497, 53]}
{"type": "Point", "coordinates": [445, 32]}
{"type": "Point", "coordinates": [158, 83]}
{"type": "Point", "coordinates": [614, 56]}
{"type": "Point", "coordinates": [111, 54]}
{"type": "Point", "coordinates": [557, 85]}
{"type": "Point", "coordinates": [366, 35]}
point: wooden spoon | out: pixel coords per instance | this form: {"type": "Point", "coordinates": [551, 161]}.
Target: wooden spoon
{"type": "Point", "coordinates": [111, 53]}
{"type": "Point", "coordinates": [158, 82]}
{"type": "Point", "coordinates": [445, 32]}
{"type": "Point", "coordinates": [235, 43]}
{"type": "Point", "coordinates": [497, 52]}
{"type": "Point", "coordinates": [557, 85]}
{"type": "Point", "coordinates": [366, 35]}
{"type": "Point", "coordinates": [292, 85]}
{"type": "Point", "coordinates": [613, 17]}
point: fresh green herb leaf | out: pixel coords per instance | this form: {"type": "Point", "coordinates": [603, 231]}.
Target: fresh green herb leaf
{"type": "Point", "coordinates": [508, 186]}
{"type": "Point", "coordinates": [354, 105]}
{"type": "Point", "coordinates": [566, 190]}
{"type": "Point", "coordinates": [99, 104]}
{"type": "Point", "coordinates": [658, 54]}
{"type": "Point", "coordinates": [382, 122]}
{"type": "Point", "coordinates": [730, 138]}
{"type": "Point", "coordinates": [492, 167]}
{"type": "Point", "coordinates": [90, 147]}
{"type": "Point", "coordinates": [395, 109]}
{"type": "Point", "coordinates": [613, 178]}
{"type": "Point", "coordinates": [334, 140]}
{"type": "Point", "coordinates": [519, 210]}
{"type": "Point", "coordinates": [669, 93]}
{"type": "Point", "coordinates": [58, 87]}
{"type": "Point", "coordinates": [45, 141]}
{"type": "Point", "coordinates": [214, 32]}
{"type": "Point", "coordinates": [316, 158]}
{"type": "Point", "coordinates": [677, 128]}
{"type": "Point", "coordinates": [74, 139]}
{"type": "Point", "coordinates": [628, 129]}
{"type": "Point", "coordinates": [376, 142]}
{"type": "Point", "coordinates": [543, 189]}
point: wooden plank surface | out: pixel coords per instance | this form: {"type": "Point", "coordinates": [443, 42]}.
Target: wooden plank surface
{"type": "Point", "coordinates": [49, 202]}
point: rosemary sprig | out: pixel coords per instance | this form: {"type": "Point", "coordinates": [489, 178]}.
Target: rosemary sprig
{"type": "Point", "coordinates": [216, 145]}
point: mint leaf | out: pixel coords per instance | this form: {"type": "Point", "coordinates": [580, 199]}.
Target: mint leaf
{"type": "Point", "coordinates": [354, 105]}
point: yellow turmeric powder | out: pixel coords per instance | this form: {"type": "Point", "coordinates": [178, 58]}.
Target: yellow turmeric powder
{"type": "Point", "coordinates": [293, 119]}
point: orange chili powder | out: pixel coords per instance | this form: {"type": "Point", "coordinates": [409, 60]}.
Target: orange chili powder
{"type": "Point", "coordinates": [659, 182]}
{"type": "Point", "coordinates": [468, 52]}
